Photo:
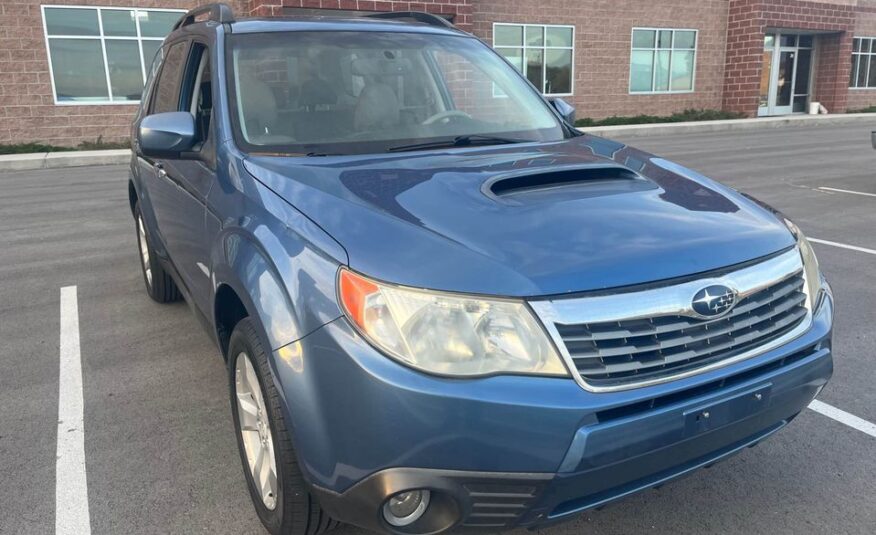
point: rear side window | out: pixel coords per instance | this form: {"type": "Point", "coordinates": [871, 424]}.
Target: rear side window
{"type": "Point", "coordinates": [167, 90]}
{"type": "Point", "coordinates": [152, 72]}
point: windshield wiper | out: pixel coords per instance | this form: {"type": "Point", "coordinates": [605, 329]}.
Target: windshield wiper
{"type": "Point", "coordinates": [460, 141]}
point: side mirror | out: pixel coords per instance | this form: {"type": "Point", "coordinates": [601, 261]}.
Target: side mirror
{"type": "Point", "coordinates": [566, 110]}
{"type": "Point", "coordinates": [167, 135]}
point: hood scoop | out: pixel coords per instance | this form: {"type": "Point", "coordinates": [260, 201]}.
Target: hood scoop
{"type": "Point", "coordinates": [589, 180]}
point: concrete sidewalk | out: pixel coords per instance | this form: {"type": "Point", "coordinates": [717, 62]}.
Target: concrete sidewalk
{"type": "Point", "coordinates": [49, 160]}
{"type": "Point", "coordinates": [697, 127]}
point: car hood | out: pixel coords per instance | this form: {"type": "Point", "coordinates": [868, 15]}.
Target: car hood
{"type": "Point", "coordinates": [524, 220]}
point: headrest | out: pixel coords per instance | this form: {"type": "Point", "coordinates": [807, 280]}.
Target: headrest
{"type": "Point", "coordinates": [381, 66]}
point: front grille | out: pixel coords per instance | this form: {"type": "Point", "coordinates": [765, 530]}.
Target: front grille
{"type": "Point", "coordinates": [615, 353]}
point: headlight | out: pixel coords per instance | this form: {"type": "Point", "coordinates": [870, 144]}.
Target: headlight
{"type": "Point", "coordinates": [811, 273]}
{"type": "Point", "coordinates": [447, 333]}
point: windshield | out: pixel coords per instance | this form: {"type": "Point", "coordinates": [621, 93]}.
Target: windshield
{"type": "Point", "coordinates": [364, 92]}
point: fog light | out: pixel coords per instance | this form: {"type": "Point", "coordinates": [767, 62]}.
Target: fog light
{"type": "Point", "coordinates": [406, 507]}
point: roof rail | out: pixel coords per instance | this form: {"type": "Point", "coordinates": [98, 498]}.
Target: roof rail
{"type": "Point", "coordinates": [418, 16]}
{"type": "Point", "coordinates": [217, 12]}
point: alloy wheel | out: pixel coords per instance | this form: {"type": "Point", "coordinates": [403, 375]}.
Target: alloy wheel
{"type": "Point", "coordinates": [255, 430]}
{"type": "Point", "coordinates": [144, 250]}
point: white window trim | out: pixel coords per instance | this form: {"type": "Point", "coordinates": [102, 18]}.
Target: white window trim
{"type": "Point", "coordinates": [672, 49]}
{"type": "Point", "coordinates": [857, 65]}
{"type": "Point", "coordinates": [102, 38]}
{"type": "Point", "coordinates": [544, 47]}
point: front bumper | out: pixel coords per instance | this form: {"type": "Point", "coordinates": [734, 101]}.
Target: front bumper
{"type": "Point", "coordinates": [503, 452]}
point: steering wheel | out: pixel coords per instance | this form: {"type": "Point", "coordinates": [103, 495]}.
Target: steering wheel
{"type": "Point", "coordinates": [443, 115]}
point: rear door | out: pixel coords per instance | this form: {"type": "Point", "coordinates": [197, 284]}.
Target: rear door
{"type": "Point", "coordinates": [164, 195]}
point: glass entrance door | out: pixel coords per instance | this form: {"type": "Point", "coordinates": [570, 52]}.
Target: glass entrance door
{"type": "Point", "coordinates": [785, 78]}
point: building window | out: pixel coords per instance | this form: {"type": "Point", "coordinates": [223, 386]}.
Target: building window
{"type": "Point", "coordinates": [662, 61]}
{"type": "Point", "coordinates": [101, 55]}
{"type": "Point", "coordinates": [543, 53]}
{"type": "Point", "coordinates": [863, 74]}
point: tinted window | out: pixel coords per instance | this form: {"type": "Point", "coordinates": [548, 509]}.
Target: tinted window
{"type": "Point", "coordinates": [167, 89]}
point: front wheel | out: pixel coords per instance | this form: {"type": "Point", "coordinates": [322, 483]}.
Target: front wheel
{"type": "Point", "coordinates": [276, 486]}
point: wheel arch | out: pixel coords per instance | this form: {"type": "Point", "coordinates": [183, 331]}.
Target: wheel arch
{"type": "Point", "coordinates": [228, 310]}
{"type": "Point", "coordinates": [248, 285]}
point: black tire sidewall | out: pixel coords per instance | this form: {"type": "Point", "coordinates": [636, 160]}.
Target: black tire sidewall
{"type": "Point", "coordinates": [244, 338]}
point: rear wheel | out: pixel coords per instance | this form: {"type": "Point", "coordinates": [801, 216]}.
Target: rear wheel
{"type": "Point", "coordinates": [276, 486]}
{"type": "Point", "coordinates": [159, 284]}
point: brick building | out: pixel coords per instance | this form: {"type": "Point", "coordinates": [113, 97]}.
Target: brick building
{"type": "Point", "coordinates": [71, 70]}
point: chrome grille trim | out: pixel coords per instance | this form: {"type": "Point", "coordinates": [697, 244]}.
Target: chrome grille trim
{"type": "Point", "coordinates": [598, 336]}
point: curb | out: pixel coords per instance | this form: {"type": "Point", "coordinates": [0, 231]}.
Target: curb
{"type": "Point", "coordinates": [698, 127]}
{"type": "Point", "coordinates": [54, 160]}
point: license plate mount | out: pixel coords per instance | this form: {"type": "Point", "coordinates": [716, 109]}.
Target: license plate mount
{"type": "Point", "coordinates": [719, 413]}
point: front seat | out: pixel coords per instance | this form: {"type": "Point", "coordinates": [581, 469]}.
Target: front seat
{"type": "Point", "coordinates": [378, 106]}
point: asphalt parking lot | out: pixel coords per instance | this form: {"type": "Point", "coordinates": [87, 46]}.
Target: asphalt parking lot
{"type": "Point", "coordinates": [159, 449]}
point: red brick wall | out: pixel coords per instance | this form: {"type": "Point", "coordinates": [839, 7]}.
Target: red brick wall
{"type": "Point", "coordinates": [27, 109]}
{"type": "Point", "coordinates": [603, 30]}
{"type": "Point", "coordinates": [747, 23]}
{"type": "Point", "coordinates": [865, 26]}
{"type": "Point", "coordinates": [832, 72]}
{"type": "Point", "coordinates": [744, 56]}
{"type": "Point", "coordinates": [459, 9]}
{"type": "Point", "coordinates": [730, 41]}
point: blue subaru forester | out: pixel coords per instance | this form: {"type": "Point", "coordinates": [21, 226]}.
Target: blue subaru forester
{"type": "Point", "coordinates": [440, 304]}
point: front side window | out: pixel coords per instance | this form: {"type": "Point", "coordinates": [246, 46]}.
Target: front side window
{"type": "Point", "coordinates": [102, 55]}
{"type": "Point", "coordinates": [360, 92]}
{"type": "Point", "coordinates": [863, 74]}
{"type": "Point", "coordinates": [662, 60]}
{"type": "Point", "coordinates": [543, 53]}
{"type": "Point", "coordinates": [199, 99]}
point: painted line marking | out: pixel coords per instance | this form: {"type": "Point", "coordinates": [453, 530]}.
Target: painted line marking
{"type": "Point", "coordinates": [843, 246]}
{"type": "Point", "coordinates": [71, 488]}
{"type": "Point", "coordinates": [838, 190]}
{"type": "Point", "coordinates": [843, 417]}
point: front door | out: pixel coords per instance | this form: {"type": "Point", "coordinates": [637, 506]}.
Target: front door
{"type": "Point", "coordinates": [785, 78]}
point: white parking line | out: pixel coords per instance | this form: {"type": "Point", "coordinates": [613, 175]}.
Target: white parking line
{"type": "Point", "coordinates": [71, 489]}
{"type": "Point", "coordinates": [843, 245]}
{"type": "Point", "coordinates": [838, 190]}
{"type": "Point", "coordinates": [843, 417]}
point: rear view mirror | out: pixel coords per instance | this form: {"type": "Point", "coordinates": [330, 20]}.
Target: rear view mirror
{"type": "Point", "coordinates": [566, 110]}
{"type": "Point", "coordinates": [167, 135]}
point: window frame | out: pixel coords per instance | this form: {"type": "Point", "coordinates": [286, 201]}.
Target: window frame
{"type": "Point", "coordinates": [856, 65]}
{"type": "Point", "coordinates": [544, 48]}
{"type": "Point", "coordinates": [102, 38]}
{"type": "Point", "coordinates": [672, 50]}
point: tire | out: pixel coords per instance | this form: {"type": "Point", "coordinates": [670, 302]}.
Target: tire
{"type": "Point", "coordinates": [159, 284]}
{"type": "Point", "coordinates": [288, 508]}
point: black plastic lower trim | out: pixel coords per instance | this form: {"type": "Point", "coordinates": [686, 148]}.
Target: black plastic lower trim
{"type": "Point", "coordinates": [484, 500]}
